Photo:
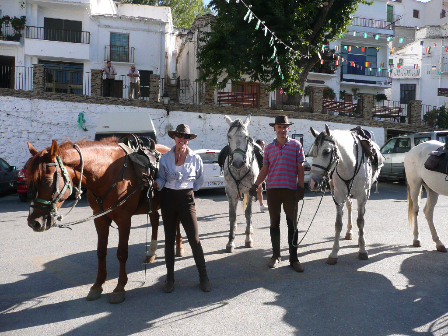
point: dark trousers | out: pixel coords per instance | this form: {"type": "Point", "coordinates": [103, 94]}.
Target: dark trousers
{"type": "Point", "coordinates": [277, 197]}
{"type": "Point", "coordinates": [174, 204]}
{"type": "Point", "coordinates": [109, 87]}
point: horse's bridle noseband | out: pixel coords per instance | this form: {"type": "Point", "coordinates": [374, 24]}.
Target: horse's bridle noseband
{"type": "Point", "coordinates": [328, 170]}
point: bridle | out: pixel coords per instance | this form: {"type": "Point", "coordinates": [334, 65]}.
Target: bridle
{"type": "Point", "coordinates": [329, 169]}
{"type": "Point", "coordinates": [51, 205]}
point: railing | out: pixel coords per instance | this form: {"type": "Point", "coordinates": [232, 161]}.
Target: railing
{"type": "Point", "coordinates": [50, 34]}
{"type": "Point", "coordinates": [405, 72]}
{"type": "Point", "coordinates": [18, 78]}
{"type": "Point", "coordinates": [426, 109]}
{"type": "Point", "coordinates": [8, 33]}
{"type": "Point", "coordinates": [119, 54]}
{"type": "Point", "coordinates": [339, 107]}
{"type": "Point", "coordinates": [364, 71]}
{"type": "Point", "coordinates": [66, 81]}
{"type": "Point", "coordinates": [390, 110]}
{"type": "Point", "coordinates": [240, 99]}
{"type": "Point", "coordinates": [183, 91]}
{"type": "Point", "coordinates": [328, 67]}
{"type": "Point", "coordinates": [371, 23]}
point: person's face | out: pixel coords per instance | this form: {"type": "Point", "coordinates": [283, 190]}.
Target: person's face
{"type": "Point", "coordinates": [133, 68]}
{"type": "Point", "coordinates": [281, 130]}
{"type": "Point", "coordinates": [109, 64]}
{"type": "Point", "coordinates": [262, 144]}
{"type": "Point", "coordinates": [181, 141]}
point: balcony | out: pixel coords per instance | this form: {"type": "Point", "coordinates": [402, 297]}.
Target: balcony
{"type": "Point", "coordinates": [372, 26]}
{"type": "Point", "coordinates": [405, 72]}
{"type": "Point", "coordinates": [119, 54]}
{"type": "Point", "coordinates": [57, 43]}
{"type": "Point", "coordinates": [8, 33]}
{"type": "Point", "coordinates": [364, 75]}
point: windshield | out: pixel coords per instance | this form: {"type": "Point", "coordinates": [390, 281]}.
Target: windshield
{"type": "Point", "coordinates": [209, 157]}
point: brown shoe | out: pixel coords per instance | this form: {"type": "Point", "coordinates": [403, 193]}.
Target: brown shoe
{"type": "Point", "coordinates": [205, 285]}
{"type": "Point", "coordinates": [168, 287]}
{"type": "Point", "coordinates": [273, 263]}
{"type": "Point", "coordinates": [297, 266]}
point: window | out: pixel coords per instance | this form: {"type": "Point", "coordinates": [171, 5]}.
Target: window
{"type": "Point", "coordinates": [418, 141]}
{"type": "Point", "coordinates": [442, 14]}
{"type": "Point", "coordinates": [63, 77]}
{"type": "Point", "coordinates": [416, 13]}
{"type": "Point", "coordinates": [390, 13]}
{"type": "Point", "coordinates": [389, 146]}
{"type": "Point", "coordinates": [62, 30]}
{"type": "Point", "coordinates": [119, 47]}
{"type": "Point", "coordinates": [407, 93]}
{"type": "Point", "coordinates": [403, 145]}
{"type": "Point", "coordinates": [356, 60]}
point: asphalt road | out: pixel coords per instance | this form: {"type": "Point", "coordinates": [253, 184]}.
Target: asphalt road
{"type": "Point", "coordinates": [400, 290]}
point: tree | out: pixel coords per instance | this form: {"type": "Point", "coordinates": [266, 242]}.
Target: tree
{"type": "Point", "coordinates": [235, 47]}
{"type": "Point", "coordinates": [184, 11]}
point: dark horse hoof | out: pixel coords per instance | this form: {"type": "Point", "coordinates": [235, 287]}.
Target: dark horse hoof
{"type": "Point", "coordinates": [93, 295]}
{"type": "Point", "coordinates": [230, 249]}
{"type": "Point", "coordinates": [115, 298]}
{"type": "Point", "coordinates": [179, 252]}
{"type": "Point", "coordinates": [249, 244]}
{"type": "Point", "coordinates": [416, 243]}
{"type": "Point", "coordinates": [348, 236]}
{"type": "Point", "coordinates": [149, 259]}
{"type": "Point", "coordinates": [363, 256]}
{"type": "Point", "coordinates": [441, 248]}
{"type": "Point", "coordinates": [332, 261]}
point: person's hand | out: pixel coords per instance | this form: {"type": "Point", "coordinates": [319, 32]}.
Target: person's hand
{"type": "Point", "coordinates": [300, 193]}
{"type": "Point", "coordinates": [253, 190]}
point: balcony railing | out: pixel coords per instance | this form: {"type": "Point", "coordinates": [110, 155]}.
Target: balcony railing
{"type": "Point", "coordinates": [364, 71]}
{"type": "Point", "coordinates": [50, 34]}
{"type": "Point", "coordinates": [405, 72]}
{"type": "Point", "coordinates": [66, 81]}
{"type": "Point", "coordinates": [18, 78]}
{"type": "Point", "coordinates": [371, 23]}
{"type": "Point", "coordinates": [8, 33]}
{"type": "Point", "coordinates": [119, 54]}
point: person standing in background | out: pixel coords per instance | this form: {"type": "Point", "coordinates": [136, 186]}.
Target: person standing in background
{"type": "Point", "coordinates": [110, 71]}
{"type": "Point", "coordinates": [134, 85]}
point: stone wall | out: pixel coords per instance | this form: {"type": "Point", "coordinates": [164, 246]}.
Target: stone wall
{"type": "Point", "coordinates": [367, 105]}
{"type": "Point", "coordinates": [415, 112]}
{"type": "Point", "coordinates": [96, 82]}
{"type": "Point", "coordinates": [316, 99]}
{"type": "Point", "coordinates": [38, 78]}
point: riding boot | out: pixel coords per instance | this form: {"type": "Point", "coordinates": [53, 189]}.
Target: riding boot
{"type": "Point", "coordinates": [169, 261]}
{"type": "Point", "coordinates": [275, 240]}
{"type": "Point", "coordinates": [292, 241]}
{"type": "Point", "coordinates": [198, 255]}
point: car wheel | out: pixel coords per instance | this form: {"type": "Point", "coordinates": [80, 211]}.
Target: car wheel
{"type": "Point", "coordinates": [23, 197]}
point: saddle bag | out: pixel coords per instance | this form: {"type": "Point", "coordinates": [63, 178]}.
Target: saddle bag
{"type": "Point", "coordinates": [438, 161]}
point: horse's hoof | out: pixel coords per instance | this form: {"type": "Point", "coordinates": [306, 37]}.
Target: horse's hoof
{"type": "Point", "coordinates": [363, 256]}
{"type": "Point", "coordinates": [416, 243]}
{"type": "Point", "coordinates": [115, 298]}
{"type": "Point", "coordinates": [93, 295]}
{"type": "Point", "coordinates": [230, 249]}
{"type": "Point", "coordinates": [348, 236]}
{"type": "Point", "coordinates": [332, 261]}
{"type": "Point", "coordinates": [249, 244]}
{"type": "Point", "coordinates": [180, 252]}
{"type": "Point", "coordinates": [441, 248]}
{"type": "Point", "coordinates": [149, 259]}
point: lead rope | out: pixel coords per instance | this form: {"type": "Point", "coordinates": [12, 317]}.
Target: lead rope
{"type": "Point", "coordinates": [309, 226]}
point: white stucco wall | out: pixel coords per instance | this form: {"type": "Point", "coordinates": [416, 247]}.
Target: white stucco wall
{"type": "Point", "coordinates": [40, 121]}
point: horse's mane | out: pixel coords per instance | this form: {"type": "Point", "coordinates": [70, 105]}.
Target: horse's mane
{"type": "Point", "coordinates": [35, 168]}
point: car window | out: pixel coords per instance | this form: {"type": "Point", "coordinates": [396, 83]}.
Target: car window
{"type": "Point", "coordinates": [209, 157]}
{"type": "Point", "coordinates": [403, 145]}
{"type": "Point", "coordinates": [418, 141]}
{"type": "Point", "coordinates": [441, 137]}
{"type": "Point", "coordinates": [389, 146]}
{"type": "Point", "coordinates": [4, 166]}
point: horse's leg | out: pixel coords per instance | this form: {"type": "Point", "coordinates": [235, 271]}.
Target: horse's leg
{"type": "Point", "coordinates": [179, 246]}
{"type": "Point", "coordinates": [102, 230]}
{"type": "Point", "coordinates": [348, 235]}
{"type": "Point", "coordinates": [333, 257]}
{"type": "Point", "coordinates": [233, 201]}
{"type": "Point", "coordinates": [151, 253]}
{"type": "Point", "coordinates": [428, 210]}
{"type": "Point", "coordinates": [362, 200]}
{"type": "Point", "coordinates": [413, 193]}
{"type": "Point", "coordinates": [124, 228]}
{"type": "Point", "coordinates": [249, 228]}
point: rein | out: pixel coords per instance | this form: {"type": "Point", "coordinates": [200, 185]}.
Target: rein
{"type": "Point", "coordinates": [239, 151]}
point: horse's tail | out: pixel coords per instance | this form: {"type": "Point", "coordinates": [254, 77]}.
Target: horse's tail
{"type": "Point", "coordinates": [410, 207]}
{"type": "Point", "coordinates": [244, 203]}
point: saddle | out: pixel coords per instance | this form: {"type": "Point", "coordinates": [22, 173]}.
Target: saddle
{"type": "Point", "coordinates": [438, 160]}
{"type": "Point", "coordinates": [144, 157]}
{"type": "Point", "coordinates": [370, 148]}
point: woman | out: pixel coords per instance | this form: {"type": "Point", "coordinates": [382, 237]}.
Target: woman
{"type": "Point", "coordinates": [181, 173]}
{"type": "Point", "coordinates": [263, 207]}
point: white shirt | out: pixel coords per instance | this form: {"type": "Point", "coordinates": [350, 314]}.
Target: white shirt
{"type": "Point", "coordinates": [134, 79]}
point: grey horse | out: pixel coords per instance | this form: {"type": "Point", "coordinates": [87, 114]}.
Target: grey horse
{"type": "Point", "coordinates": [240, 172]}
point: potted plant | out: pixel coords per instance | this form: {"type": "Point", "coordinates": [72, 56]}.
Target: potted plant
{"type": "Point", "coordinates": [430, 117]}
{"type": "Point", "coordinates": [6, 19]}
{"type": "Point", "coordinates": [18, 24]}
{"type": "Point", "coordinates": [329, 93]}
{"type": "Point", "coordinates": [379, 97]}
{"type": "Point", "coordinates": [342, 95]}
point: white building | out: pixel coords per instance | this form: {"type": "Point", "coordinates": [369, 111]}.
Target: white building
{"type": "Point", "coordinates": [71, 37]}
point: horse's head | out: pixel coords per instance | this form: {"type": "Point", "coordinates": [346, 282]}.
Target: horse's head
{"type": "Point", "coordinates": [49, 186]}
{"type": "Point", "coordinates": [325, 158]}
{"type": "Point", "coordinates": [238, 139]}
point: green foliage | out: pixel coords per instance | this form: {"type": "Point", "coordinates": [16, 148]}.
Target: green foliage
{"type": "Point", "coordinates": [356, 93]}
{"type": "Point", "coordinates": [329, 93]}
{"type": "Point", "coordinates": [437, 117]}
{"type": "Point", "coordinates": [380, 97]}
{"type": "Point", "coordinates": [342, 95]}
{"type": "Point", "coordinates": [184, 11]}
{"type": "Point", "coordinates": [307, 91]}
{"type": "Point", "coordinates": [235, 48]}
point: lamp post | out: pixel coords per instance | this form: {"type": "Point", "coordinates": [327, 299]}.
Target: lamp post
{"type": "Point", "coordinates": [166, 102]}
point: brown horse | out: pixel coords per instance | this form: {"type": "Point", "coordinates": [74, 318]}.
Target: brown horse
{"type": "Point", "coordinates": [108, 179]}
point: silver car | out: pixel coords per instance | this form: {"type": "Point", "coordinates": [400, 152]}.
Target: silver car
{"type": "Point", "coordinates": [213, 176]}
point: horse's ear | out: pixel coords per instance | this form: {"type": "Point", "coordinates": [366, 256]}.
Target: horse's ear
{"type": "Point", "coordinates": [247, 121]}
{"type": "Point", "coordinates": [32, 150]}
{"type": "Point", "coordinates": [229, 121]}
{"type": "Point", "coordinates": [327, 129]}
{"type": "Point", "coordinates": [313, 132]}
{"type": "Point", "coordinates": [54, 149]}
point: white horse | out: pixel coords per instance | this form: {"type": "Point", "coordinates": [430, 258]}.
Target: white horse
{"type": "Point", "coordinates": [435, 183]}
{"type": "Point", "coordinates": [338, 156]}
{"type": "Point", "coordinates": [240, 172]}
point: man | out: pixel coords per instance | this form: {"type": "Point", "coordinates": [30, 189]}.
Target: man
{"type": "Point", "coordinates": [263, 207]}
{"type": "Point", "coordinates": [282, 162]}
{"type": "Point", "coordinates": [110, 71]}
{"type": "Point", "coordinates": [134, 87]}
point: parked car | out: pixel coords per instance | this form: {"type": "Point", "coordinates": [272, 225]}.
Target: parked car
{"type": "Point", "coordinates": [8, 177]}
{"type": "Point", "coordinates": [22, 187]}
{"type": "Point", "coordinates": [395, 149]}
{"type": "Point", "coordinates": [213, 176]}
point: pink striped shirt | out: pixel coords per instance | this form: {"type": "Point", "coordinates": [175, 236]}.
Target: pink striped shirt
{"type": "Point", "coordinates": [282, 162]}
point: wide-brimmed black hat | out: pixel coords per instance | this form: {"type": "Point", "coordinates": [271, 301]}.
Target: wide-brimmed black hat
{"type": "Point", "coordinates": [184, 129]}
{"type": "Point", "coordinates": [281, 120]}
